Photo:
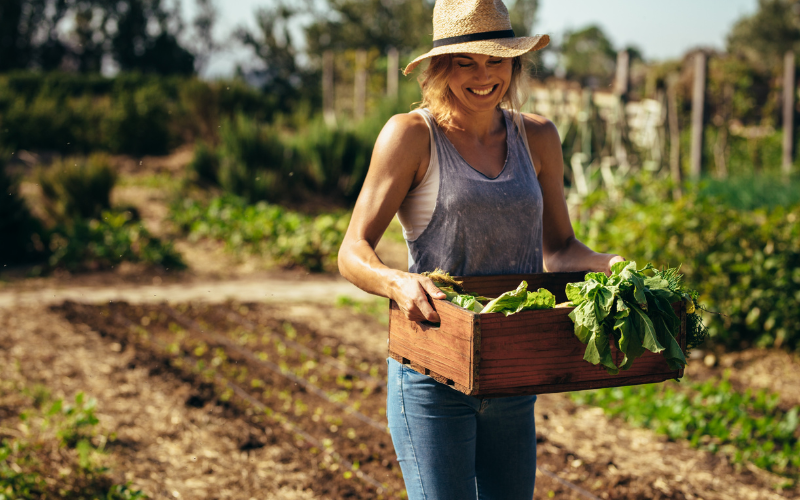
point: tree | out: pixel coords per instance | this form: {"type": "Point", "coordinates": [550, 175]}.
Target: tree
{"type": "Point", "coordinates": [523, 16]}
{"type": "Point", "coordinates": [276, 50]}
{"type": "Point", "coordinates": [588, 57]}
{"type": "Point", "coordinates": [140, 35]}
{"type": "Point", "coordinates": [360, 24]}
{"type": "Point", "coordinates": [764, 37]}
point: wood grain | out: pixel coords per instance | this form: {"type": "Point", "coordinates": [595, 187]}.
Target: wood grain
{"type": "Point", "coordinates": [446, 350]}
{"type": "Point", "coordinates": [533, 352]}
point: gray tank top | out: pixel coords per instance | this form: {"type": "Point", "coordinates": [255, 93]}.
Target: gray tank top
{"type": "Point", "coordinates": [482, 225]}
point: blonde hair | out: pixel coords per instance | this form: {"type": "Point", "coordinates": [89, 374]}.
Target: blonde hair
{"type": "Point", "coordinates": [440, 101]}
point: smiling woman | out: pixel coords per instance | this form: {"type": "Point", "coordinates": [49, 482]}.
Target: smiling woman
{"type": "Point", "coordinates": [478, 189]}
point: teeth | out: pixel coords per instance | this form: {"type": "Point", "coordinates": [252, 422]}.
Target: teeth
{"type": "Point", "coordinates": [483, 92]}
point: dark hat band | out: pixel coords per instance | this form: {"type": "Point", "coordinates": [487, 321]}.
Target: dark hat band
{"type": "Point", "coordinates": [474, 37]}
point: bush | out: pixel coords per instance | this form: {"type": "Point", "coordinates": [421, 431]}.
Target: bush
{"type": "Point", "coordinates": [20, 231]}
{"type": "Point", "coordinates": [745, 264]}
{"type": "Point", "coordinates": [130, 114]}
{"type": "Point", "coordinates": [204, 166]}
{"type": "Point", "coordinates": [751, 192]}
{"type": "Point", "coordinates": [77, 187]}
{"type": "Point", "coordinates": [289, 238]}
{"type": "Point", "coordinates": [256, 162]}
{"type": "Point", "coordinates": [113, 237]}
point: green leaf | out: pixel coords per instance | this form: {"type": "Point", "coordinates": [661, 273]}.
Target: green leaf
{"type": "Point", "coordinates": [646, 330]}
{"type": "Point", "coordinates": [630, 340]}
{"type": "Point", "coordinates": [604, 299]}
{"type": "Point", "coordinates": [509, 301]}
{"type": "Point", "coordinates": [575, 293]}
{"type": "Point", "coordinates": [598, 351]}
{"type": "Point", "coordinates": [585, 319]}
{"type": "Point", "coordinates": [617, 267]}
{"type": "Point", "coordinates": [467, 302]}
{"type": "Point", "coordinates": [540, 299]}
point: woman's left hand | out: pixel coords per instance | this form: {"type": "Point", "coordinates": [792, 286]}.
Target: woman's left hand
{"type": "Point", "coordinates": [613, 260]}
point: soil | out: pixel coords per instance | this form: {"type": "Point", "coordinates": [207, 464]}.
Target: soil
{"type": "Point", "coordinates": [180, 435]}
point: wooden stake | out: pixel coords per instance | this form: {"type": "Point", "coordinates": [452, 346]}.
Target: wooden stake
{"type": "Point", "coordinates": [360, 90]}
{"type": "Point", "coordinates": [698, 102]}
{"type": "Point", "coordinates": [623, 70]}
{"type": "Point", "coordinates": [788, 111]}
{"type": "Point", "coordinates": [392, 72]}
{"type": "Point", "coordinates": [674, 136]}
{"type": "Point", "coordinates": [328, 112]}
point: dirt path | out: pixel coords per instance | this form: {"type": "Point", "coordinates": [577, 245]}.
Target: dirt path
{"type": "Point", "coordinates": [268, 290]}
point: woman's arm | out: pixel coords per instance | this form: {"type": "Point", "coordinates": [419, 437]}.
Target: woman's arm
{"type": "Point", "coordinates": [399, 161]}
{"type": "Point", "coordinates": [562, 250]}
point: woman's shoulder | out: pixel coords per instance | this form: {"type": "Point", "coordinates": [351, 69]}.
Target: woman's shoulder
{"type": "Point", "coordinates": [410, 129]}
{"type": "Point", "coordinates": [539, 126]}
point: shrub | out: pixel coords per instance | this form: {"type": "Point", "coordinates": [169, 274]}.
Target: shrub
{"type": "Point", "coordinates": [289, 238]}
{"type": "Point", "coordinates": [745, 264]}
{"type": "Point", "coordinates": [204, 166]}
{"type": "Point", "coordinates": [113, 237]}
{"type": "Point", "coordinates": [130, 114]}
{"type": "Point", "coordinates": [77, 187]}
{"type": "Point", "coordinates": [20, 231]}
{"type": "Point", "coordinates": [256, 162]}
{"type": "Point", "coordinates": [139, 121]}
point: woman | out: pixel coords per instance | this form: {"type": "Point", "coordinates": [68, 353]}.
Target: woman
{"type": "Point", "coordinates": [478, 189]}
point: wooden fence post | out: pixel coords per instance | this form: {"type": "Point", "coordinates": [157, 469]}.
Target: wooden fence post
{"type": "Point", "coordinates": [392, 72]}
{"type": "Point", "coordinates": [360, 90]}
{"type": "Point", "coordinates": [788, 110]}
{"type": "Point", "coordinates": [623, 69]}
{"type": "Point", "coordinates": [698, 102]}
{"type": "Point", "coordinates": [674, 135]}
{"type": "Point", "coordinates": [328, 111]}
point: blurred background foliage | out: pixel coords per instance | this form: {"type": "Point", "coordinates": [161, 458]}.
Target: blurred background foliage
{"type": "Point", "coordinates": [85, 81]}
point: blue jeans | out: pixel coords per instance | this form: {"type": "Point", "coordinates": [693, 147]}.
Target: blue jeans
{"type": "Point", "coordinates": [454, 446]}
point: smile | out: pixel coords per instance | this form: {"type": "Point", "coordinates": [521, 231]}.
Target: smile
{"type": "Point", "coordinates": [484, 92]}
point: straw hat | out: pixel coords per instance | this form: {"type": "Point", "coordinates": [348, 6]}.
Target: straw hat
{"type": "Point", "coordinates": [476, 27]}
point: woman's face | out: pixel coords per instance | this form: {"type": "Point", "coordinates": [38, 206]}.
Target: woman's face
{"type": "Point", "coordinates": [479, 82]}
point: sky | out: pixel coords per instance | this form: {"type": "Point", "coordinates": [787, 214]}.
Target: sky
{"type": "Point", "coordinates": [661, 30]}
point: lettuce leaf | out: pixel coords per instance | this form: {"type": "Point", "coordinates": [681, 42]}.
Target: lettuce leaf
{"type": "Point", "coordinates": [509, 302]}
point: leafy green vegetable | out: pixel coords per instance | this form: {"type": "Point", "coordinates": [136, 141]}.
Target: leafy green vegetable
{"type": "Point", "coordinates": [540, 299]}
{"type": "Point", "coordinates": [632, 310]}
{"type": "Point", "coordinates": [509, 302]}
{"type": "Point", "coordinates": [467, 302]}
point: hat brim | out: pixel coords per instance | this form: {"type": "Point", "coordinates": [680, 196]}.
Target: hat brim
{"type": "Point", "coordinates": [500, 47]}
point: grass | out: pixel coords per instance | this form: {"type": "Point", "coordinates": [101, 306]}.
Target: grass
{"type": "Point", "coordinates": [747, 427]}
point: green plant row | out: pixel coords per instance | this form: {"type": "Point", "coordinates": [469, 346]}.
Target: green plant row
{"type": "Point", "coordinates": [82, 231]}
{"type": "Point", "coordinates": [712, 416]}
{"type": "Point", "coordinates": [745, 264]}
{"type": "Point", "coordinates": [290, 238]}
{"type": "Point", "coordinates": [58, 452]}
{"type": "Point", "coordinates": [132, 114]}
{"type": "Point", "coordinates": [100, 243]}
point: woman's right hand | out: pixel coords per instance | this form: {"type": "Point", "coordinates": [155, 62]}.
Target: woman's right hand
{"type": "Point", "coordinates": [411, 292]}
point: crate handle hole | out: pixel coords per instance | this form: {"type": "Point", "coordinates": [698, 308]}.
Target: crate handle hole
{"type": "Point", "coordinates": [430, 325]}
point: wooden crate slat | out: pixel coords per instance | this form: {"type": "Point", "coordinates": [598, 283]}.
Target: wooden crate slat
{"type": "Point", "coordinates": [492, 286]}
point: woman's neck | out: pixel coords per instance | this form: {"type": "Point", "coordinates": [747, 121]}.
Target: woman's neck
{"type": "Point", "coordinates": [479, 124]}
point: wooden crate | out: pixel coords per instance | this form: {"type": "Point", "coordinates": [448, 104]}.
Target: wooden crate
{"type": "Point", "coordinates": [531, 352]}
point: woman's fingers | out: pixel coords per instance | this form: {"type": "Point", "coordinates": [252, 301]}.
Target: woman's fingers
{"type": "Point", "coordinates": [413, 299]}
